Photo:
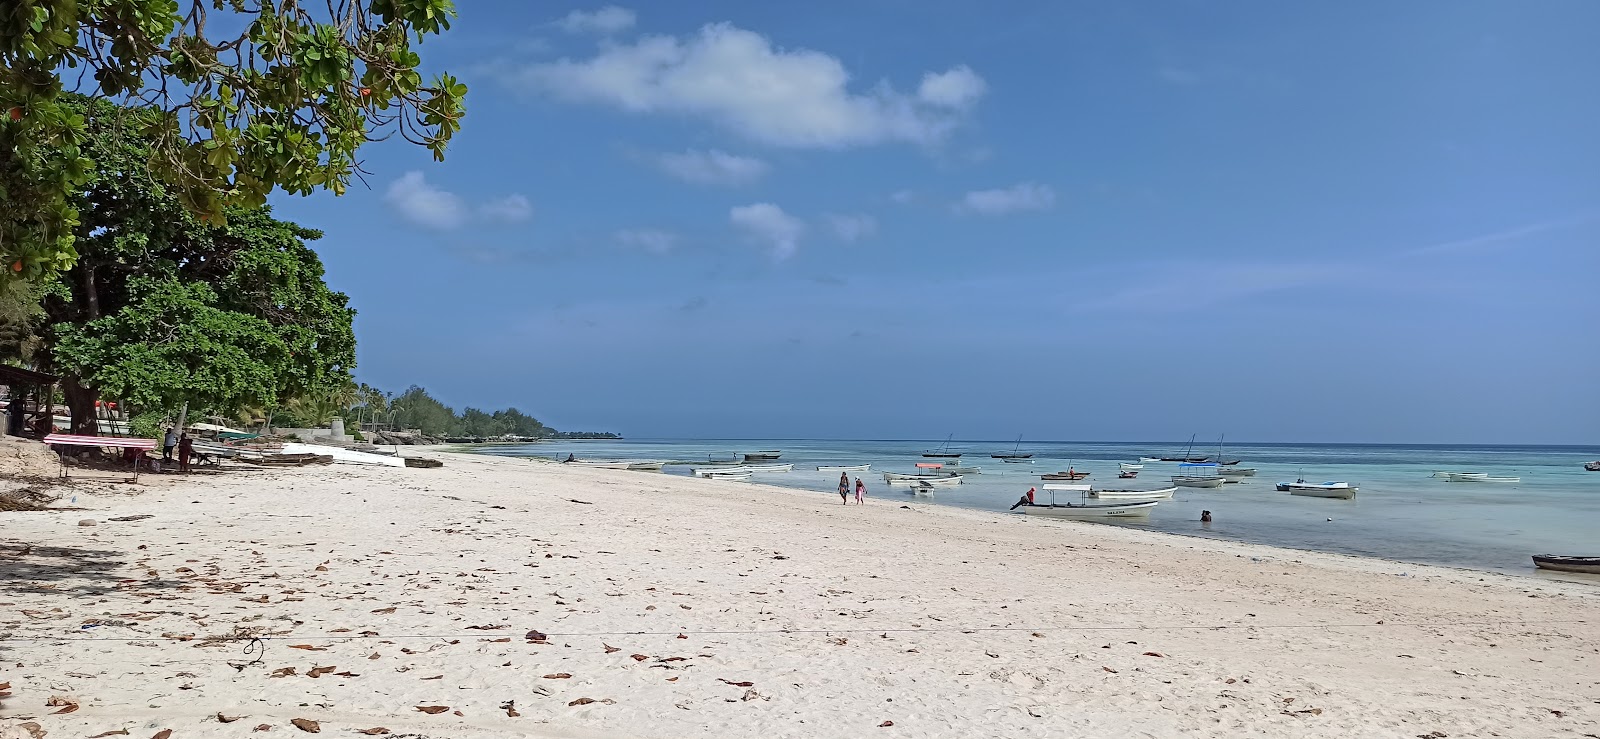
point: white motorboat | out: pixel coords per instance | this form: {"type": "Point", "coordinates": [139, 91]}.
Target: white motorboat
{"type": "Point", "coordinates": [1143, 460]}
{"type": "Point", "coordinates": [1198, 475]}
{"type": "Point", "coordinates": [959, 469]}
{"type": "Point", "coordinates": [1331, 489]}
{"type": "Point", "coordinates": [1475, 477]}
{"type": "Point", "coordinates": [1129, 467]}
{"type": "Point", "coordinates": [1159, 494]}
{"type": "Point", "coordinates": [925, 471]}
{"type": "Point", "coordinates": [844, 468]}
{"type": "Point", "coordinates": [1134, 509]}
{"type": "Point", "coordinates": [724, 470]}
{"type": "Point", "coordinates": [925, 482]}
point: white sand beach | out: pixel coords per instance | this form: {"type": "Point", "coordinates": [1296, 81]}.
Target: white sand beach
{"type": "Point", "coordinates": [680, 607]}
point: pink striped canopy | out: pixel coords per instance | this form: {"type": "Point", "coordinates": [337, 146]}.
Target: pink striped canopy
{"type": "Point", "coordinates": [112, 441]}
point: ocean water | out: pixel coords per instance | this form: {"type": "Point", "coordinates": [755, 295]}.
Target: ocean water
{"type": "Point", "coordinates": [1400, 513]}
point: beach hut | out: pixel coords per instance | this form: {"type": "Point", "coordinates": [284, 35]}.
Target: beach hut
{"type": "Point", "coordinates": [30, 399]}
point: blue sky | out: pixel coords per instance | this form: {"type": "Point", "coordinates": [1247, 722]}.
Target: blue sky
{"type": "Point", "coordinates": [894, 219]}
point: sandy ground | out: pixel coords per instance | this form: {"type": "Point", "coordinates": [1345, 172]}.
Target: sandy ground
{"type": "Point", "coordinates": [679, 607]}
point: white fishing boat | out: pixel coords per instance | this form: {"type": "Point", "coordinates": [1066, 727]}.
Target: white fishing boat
{"type": "Point", "coordinates": [1085, 510]}
{"type": "Point", "coordinates": [728, 476]}
{"type": "Point", "coordinates": [1159, 494]}
{"type": "Point", "coordinates": [604, 464]}
{"type": "Point", "coordinates": [646, 465]}
{"type": "Point", "coordinates": [340, 454]}
{"type": "Point", "coordinates": [844, 468]}
{"type": "Point", "coordinates": [1459, 476]}
{"type": "Point", "coordinates": [925, 471]}
{"type": "Point", "coordinates": [960, 469]}
{"type": "Point", "coordinates": [1331, 489]}
{"type": "Point", "coordinates": [1129, 467]}
{"type": "Point", "coordinates": [1237, 472]}
{"type": "Point", "coordinates": [1144, 460]}
{"type": "Point", "coordinates": [1013, 460]}
{"type": "Point", "coordinates": [925, 482]}
{"type": "Point", "coordinates": [739, 469]}
{"type": "Point", "coordinates": [1198, 475]}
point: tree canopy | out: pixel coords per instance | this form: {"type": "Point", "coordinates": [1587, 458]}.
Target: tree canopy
{"type": "Point", "coordinates": [234, 98]}
{"type": "Point", "coordinates": [164, 308]}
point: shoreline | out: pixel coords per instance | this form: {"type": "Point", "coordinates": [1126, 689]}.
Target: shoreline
{"type": "Point", "coordinates": [940, 619]}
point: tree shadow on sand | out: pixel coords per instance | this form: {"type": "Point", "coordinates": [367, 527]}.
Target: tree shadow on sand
{"type": "Point", "coordinates": [44, 569]}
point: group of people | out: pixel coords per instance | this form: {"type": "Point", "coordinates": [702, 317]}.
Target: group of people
{"type": "Point", "coordinates": [182, 443]}
{"type": "Point", "coordinates": [844, 489]}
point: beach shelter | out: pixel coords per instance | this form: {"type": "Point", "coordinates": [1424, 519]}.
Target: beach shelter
{"type": "Point", "coordinates": [58, 441]}
{"type": "Point", "coordinates": [21, 384]}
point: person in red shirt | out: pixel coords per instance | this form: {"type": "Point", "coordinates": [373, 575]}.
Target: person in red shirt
{"type": "Point", "coordinates": [185, 450]}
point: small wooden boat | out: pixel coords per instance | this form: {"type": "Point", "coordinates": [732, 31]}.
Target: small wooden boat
{"type": "Point", "coordinates": [1229, 463]}
{"type": "Point", "coordinates": [1198, 475]}
{"type": "Point", "coordinates": [766, 455]}
{"type": "Point", "coordinates": [604, 464]}
{"type": "Point", "coordinates": [1193, 460]}
{"type": "Point", "coordinates": [1070, 474]}
{"type": "Point", "coordinates": [1015, 453]}
{"type": "Point", "coordinates": [1129, 467]}
{"type": "Point", "coordinates": [844, 468]}
{"type": "Point", "coordinates": [1589, 565]}
{"type": "Point", "coordinates": [1018, 461]}
{"type": "Point", "coordinates": [943, 452]}
{"type": "Point", "coordinates": [956, 468]}
{"type": "Point", "coordinates": [1592, 466]}
{"type": "Point", "coordinates": [925, 482]}
{"type": "Point", "coordinates": [1149, 459]}
{"type": "Point", "coordinates": [1237, 472]}
{"type": "Point", "coordinates": [1340, 490]}
{"type": "Point", "coordinates": [1135, 509]}
{"type": "Point", "coordinates": [1160, 494]}
{"type": "Point", "coordinates": [1459, 476]}
{"type": "Point", "coordinates": [1127, 474]}
{"type": "Point", "coordinates": [927, 471]}
{"type": "Point", "coordinates": [724, 470]}
{"type": "Point", "coordinates": [646, 465]}
{"type": "Point", "coordinates": [728, 476]}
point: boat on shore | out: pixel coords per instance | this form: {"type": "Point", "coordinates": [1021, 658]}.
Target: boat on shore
{"type": "Point", "coordinates": [1565, 563]}
{"type": "Point", "coordinates": [1331, 489]}
{"type": "Point", "coordinates": [729, 475]}
{"type": "Point", "coordinates": [943, 452]}
{"type": "Point", "coordinates": [724, 470]}
{"type": "Point", "coordinates": [1198, 475]}
{"type": "Point", "coordinates": [1158, 494]}
{"type": "Point", "coordinates": [844, 467]}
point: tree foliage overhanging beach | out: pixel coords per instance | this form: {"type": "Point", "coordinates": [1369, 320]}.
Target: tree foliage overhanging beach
{"type": "Point", "coordinates": [234, 100]}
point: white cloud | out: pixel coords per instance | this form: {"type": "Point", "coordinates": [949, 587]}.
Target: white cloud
{"type": "Point", "coordinates": [769, 224]}
{"type": "Point", "coordinates": [609, 19]}
{"type": "Point", "coordinates": [738, 80]}
{"type": "Point", "coordinates": [425, 205]}
{"type": "Point", "coordinates": [509, 209]}
{"type": "Point", "coordinates": [649, 239]}
{"type": "Point", "coordinates": [1023, 197]}
{"type": "Point", "coordinates": [430, 207]}
{"type": "Point", "coordinates": [958, 88]}
{"type": "Point", "coordinates": [852, 227]}
{"type": "Point", "coordinates": [712, 167]}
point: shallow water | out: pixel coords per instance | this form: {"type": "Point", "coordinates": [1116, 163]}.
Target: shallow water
{"type": "Point", "coordinates": [1400, 513]}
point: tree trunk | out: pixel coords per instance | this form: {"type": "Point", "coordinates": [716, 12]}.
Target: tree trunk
{"type": "Point", "coordinates": [81, 400]}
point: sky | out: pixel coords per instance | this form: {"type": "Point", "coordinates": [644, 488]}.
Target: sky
{"type": "Point", "coordinates": [1362, 222]}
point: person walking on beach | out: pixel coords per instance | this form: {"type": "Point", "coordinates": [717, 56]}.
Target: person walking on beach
{"type": "Point", "coordinates": [861, 491]}
{"type": "Point", "coordinates": [844, 488]}
{"type": "Point", "coordinates": [185, 450]}
{"type": "Point", "coordinates": [169, 443]}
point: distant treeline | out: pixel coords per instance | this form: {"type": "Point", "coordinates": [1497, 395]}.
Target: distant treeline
{"type": "Point", "coordinates": [416, 409]}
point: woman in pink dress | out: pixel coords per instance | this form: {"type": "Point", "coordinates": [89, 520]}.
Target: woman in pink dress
{"type": "Point", "coordinates": [861, 491]}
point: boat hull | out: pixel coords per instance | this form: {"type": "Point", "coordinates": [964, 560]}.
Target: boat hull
{"type": "Point", "coordinates": [1091, 511]}
{"type": "Point", "coordinates": [1127, 467]}
{"type": "Point", "coordinates": [1586, 565]}
{"type": "Point", "coordinates": [1198, 482]}
{"type": "Point", "coordinates": [1162, 494]}
{"type": "Point", "coordinates": [926, 482]}
{"type": "Point", "coordinates": [845, 468]}
{"type": "Point", "coordinates": [1239, 472]}
{"type": "Point", "coordinates": [740, 469]}
{"type": "Point", "coordinates": [1316, 492]}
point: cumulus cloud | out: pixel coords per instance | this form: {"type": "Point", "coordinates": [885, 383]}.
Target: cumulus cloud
{"type": "Point", "coordinates": [712, 167]}
{"type": "Point", "coordinates": [431, 207]}
{"type": "Point", "coordinates": [509, 209]}
{"type": "Point", "coordinates": [958, 88]}
{"type": "Point", "coordinates": [768, 224]}
{"type": "Point", "coordinates": [738, 80]}
{"type": "Point", "coordinates": [609, 19]}
{"type": "Point", "coordinates": [1023, 197]}
{"type": "Point", "coordinates": [648, 239]}
{"type": "Point", "coordinates": [851, 227]}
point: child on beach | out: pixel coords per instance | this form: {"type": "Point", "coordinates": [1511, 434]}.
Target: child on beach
{"type": "Point", "coordinates": [844, 488]}
{"type": "Point", "coordinates": [861, 490]}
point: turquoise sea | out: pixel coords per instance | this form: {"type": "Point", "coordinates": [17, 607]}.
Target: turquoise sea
{"type": "Point", "coordinates": [1400, 513]}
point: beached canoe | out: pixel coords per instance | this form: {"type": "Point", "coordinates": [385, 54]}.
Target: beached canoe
{"type": "Point", "coordinates": [347, 456]}
{"type": "Point", "coordinates": [1589, 565]}
{"type": "Point", "coordinates": [1135, 509]}
{"type": "Point", "coordinates": [737, 469]}
{"type": "Point", "coordinates": [1068, 475]}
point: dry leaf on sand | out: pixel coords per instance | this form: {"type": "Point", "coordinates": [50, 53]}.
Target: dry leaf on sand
{"type": "Point", "coordinates": [433, 709]}
{"type": "Point", "coordinates": [609, 648]}
{"type": "Point", "coordinates": [558, 676]}
{"type": "Point", "coordinates": [742, 684]}
{"type": "Point", "coordinates": [227, 719]}
{"type": "Point", "coordinates": [581, 702]}
{"type": "Point", "coordinates": [307, 725]}
{"type": "Point", "coordinates": [886, 724]}
{"type": "Point", "coordinates": [374, 731]}
{"type": "Point", "coordinates": [162, 734]}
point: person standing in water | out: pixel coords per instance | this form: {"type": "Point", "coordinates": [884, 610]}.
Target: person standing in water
{"type": "Point", "coordinates": [861, 491]}
{"type": "Point", "coordinates": [844, 488]}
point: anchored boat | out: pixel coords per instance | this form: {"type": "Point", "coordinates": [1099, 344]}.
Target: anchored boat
{"type": "Point", "coordinates": [1331, 489]}
{"type": "Point", "coordinates": [1562, 563]}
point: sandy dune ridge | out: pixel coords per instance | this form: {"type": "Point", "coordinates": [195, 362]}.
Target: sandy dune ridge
{"type": "Point", "coordinates": [672, 606]}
